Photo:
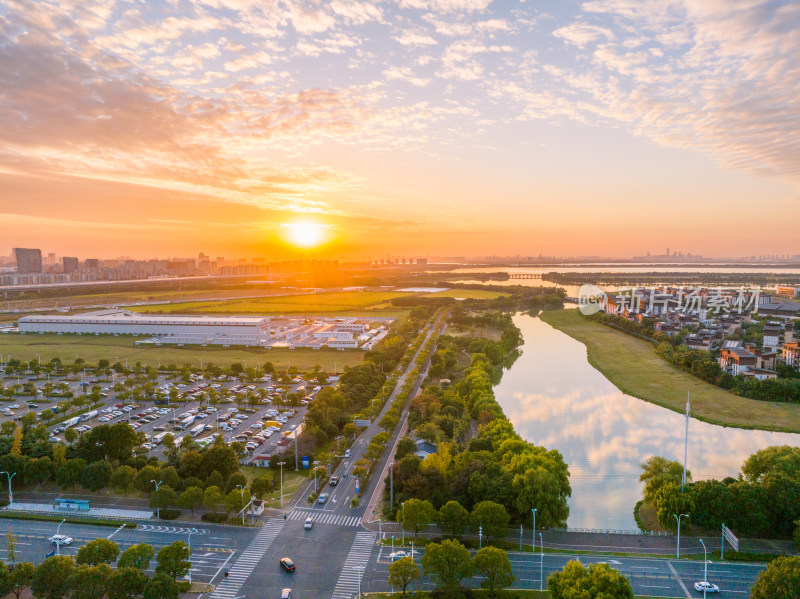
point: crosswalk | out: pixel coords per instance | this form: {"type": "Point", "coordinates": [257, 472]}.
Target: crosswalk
{"type": "Point", "coordinates": [353, 569]}
{"type": "Point", "coordinates": [173, 529]}
{"type": "Point", "coordinates": [323, 518]}
{"type": "Point", "coordinates": [247, 561]}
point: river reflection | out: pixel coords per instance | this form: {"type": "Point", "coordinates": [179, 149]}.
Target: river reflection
{"type": "Point", "coordinates": [555, 398]}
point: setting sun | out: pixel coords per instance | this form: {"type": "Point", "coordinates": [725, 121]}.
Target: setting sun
{"type": "Point", "coordinates": [305, 234]}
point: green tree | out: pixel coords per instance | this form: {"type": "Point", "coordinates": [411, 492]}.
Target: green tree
{"type": "Point", "coordinates": [781, 580]}
{"type": "Point", "coordinates": [161, 586]}
{"type": "Point", "coordinates": [235, 479]}
{"type": "Point", "coordinates": [429, 432]}
{"type": "Point", "coordinates": [70, 435]}
{"type": "Point", "coordinates": [417, 514]}
{"type": "Point", "coordinates": [772, 461]}
{"type": "Point", "coordinates": [403, 572]}
{"type": "Point", "coordinates": [598, 582]}
{"type": "Point", "coordinates": [8, 427]}
{"type": "Point", "coordinates": [11, 547]}
{"type": "Point", "coordinates": [493, 564]}
{"type": "Point", "coordinates": [173, 560]}
{"type": "Point", "coordinates": [261, 486]}
{"type": "Point", "coordinates": [70, 473]}
{"type": "Point", "coordinates": [5, 580]}
{"type": "Point", "coordinates": [657, 471]}
{"type": "Point", "coordinates": [453, 518]}
{"type": "Point", "coordinates": [96, 476]}
{"type": "Point", "coordinates": [234, 501]}
{"type": "Point", "coordinates": [90, 582]}
{"type": "Point", "coordinates": [212, 497]}
{"type": "Point", "coordinates": [52, 577]}
{"type": "Point", "coordinates": [448, 563]}
{"type": "Point", "coordinates": [59, 454]}
{"type": "Point", "coordinates": [493, 517]}
{"type": "Point", "coordinates": [405, 446]}
{"type": "Point", "coordinates": [126, 583]}
{"type": "Point", "coordinates": [145, 476]}
{"type": "Point", "coordinates": [168, 441]}
{"type": "Point", "coordinates": [21, 577]}
{"type": "Point", "coordinates": [136, 556]}
{"type": "Point", "coordinates": [164, 497]}
{"type": "Point", "coordinates": [123, 478]}
{"type": "Point", "coordinates": [39, 470]}
{"type": "Point", "coordinates": [191, 498]}
{"type": "Point", "coordinates": [97, 551]}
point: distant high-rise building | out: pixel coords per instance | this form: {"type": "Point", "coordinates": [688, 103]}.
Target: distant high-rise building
{"type": "Point", "coordinates": [70, 264]}
{"type": "Point", "coordinates": [28, 260]}
{"type": "Point", "coordinates": [51, 259]}
{"type": "Point", "coordinates": [91, 264]}
{"type": "Point", "coordinates": [422, 261]}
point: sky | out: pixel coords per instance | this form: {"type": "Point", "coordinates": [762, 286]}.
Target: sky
{"type": "Point", "coordinates": [400, 127]}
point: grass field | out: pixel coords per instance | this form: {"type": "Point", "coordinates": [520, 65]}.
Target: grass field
{"type": "Point", "coordinates": [345, 301]}
{"type": "Point", "coordinates": [469, 294]}
{"type": "Point", "coordinates": [92, 348]}
{"type": "Point", "coordinates": [633, 367]}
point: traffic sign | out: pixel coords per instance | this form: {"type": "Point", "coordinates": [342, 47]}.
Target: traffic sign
{"type": "Point", "coordinates": [51, 554]}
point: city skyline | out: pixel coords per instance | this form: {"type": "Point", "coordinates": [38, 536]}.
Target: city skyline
{"type": "Point", "coordinates": [418, 127]}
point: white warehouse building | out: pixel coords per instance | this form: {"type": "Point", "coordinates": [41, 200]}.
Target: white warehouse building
{"type": "Point", "coordinates": [216, 330]}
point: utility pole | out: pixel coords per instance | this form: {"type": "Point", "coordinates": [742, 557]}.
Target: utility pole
{"type": "Point", "coordinates": [281, 485]}
{"type": "Point", "coordinates": [391, 487]}
{"type": "Point", "coordinates": [686, 443]}
{"type": "Point", "coordinates": [296, 464]}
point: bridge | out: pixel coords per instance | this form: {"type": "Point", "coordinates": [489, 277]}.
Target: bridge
{"type": "Point", "coordinates": [524, 276]}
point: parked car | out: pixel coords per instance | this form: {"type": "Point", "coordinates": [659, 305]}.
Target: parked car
{"type": "Point", "coordinates": [287, 564]}
{"type": "Point", "coordinates": [286, 594]}
{"type": "Point", "coordinates": [397, 555]}
{"type": "Point", "coordinates": [347, 453]}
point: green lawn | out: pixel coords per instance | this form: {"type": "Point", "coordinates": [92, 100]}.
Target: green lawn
{"type": "Point", "coordinates": [632, 365]}
{"type": "Point", "coordinates": [92, 348]}
{"type": "Point", "coordinates": [345, 301]}
{"type": "Point", "coordinates": [469, 294]}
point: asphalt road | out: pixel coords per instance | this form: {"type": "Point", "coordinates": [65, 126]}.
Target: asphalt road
{"type": "Point", "coordinates": [212, 546]}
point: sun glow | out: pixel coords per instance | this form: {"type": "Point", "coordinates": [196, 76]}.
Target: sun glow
{"type": "Point", "coordinates": [305, 234]}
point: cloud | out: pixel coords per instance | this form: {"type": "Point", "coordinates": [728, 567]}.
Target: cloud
{"type": "Point", "coordinates": [447, 5]}
{"type": "Point", "coordinates": [415, 38]}
{"type": "Point", "coordinates": [580, 34]}
{"type": "Point", "coordinates": [405, 74]}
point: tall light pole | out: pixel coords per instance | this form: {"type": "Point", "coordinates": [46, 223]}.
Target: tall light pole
{"type": "Point", "coordinates": [58, 541]}
{"type": "Point", "coordinates": [281, 485]}
{"type": "Point", "coordinates": [10, 495]}
{"type": "Point", "coordinates": [191, 530]}
{"type": "Point", "coordinates": [158, 484]}
{"type": "Point", "coordinates": [404, 523]}
{"type": "Point", "coordinates": [541, 563]}
{"type": "Point", "coordinates": [686, 443]}
{"type": "Point", "coordinates": [678, 549]}
{"type": "Point", "coordinates": [242, 489]}
{"type": "Point", "coordinates": [705, 568]}
{"type": "Point", "coordinates": [480, 537]}
{"type": "Point", "coordinates": [360, 569]}
{"type": "Point", "coordinates": [533, 542]}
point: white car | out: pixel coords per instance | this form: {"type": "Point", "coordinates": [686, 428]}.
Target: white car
{"type": "Point", "coordinates": [706, 587]}
{"type": "Point", "coordinates": [397, 555]}
{"type": "Point", "coordinates": [211, 410]}
{"type": "Point", "coordinates": [60, 540]}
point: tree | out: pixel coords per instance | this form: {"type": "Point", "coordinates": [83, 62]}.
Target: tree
{"type": "Point", "coordinates": [144, 478]}
{"type": "Point", "coordinates": [453, 518]}
{"type": "Point", "coordinates": [70, 435]}
{"type": "Point", "coordinates": [405, 446]}
{"type": "Point", "coordinates": [599, 581]}
{"type": "Point", "coordinates": [402, 573]}
{"type": "Point", "coordinates": [52, 577]}
{"type": "Point", "coordinates": [235, 479]}
{"type": "Point", "coordinates": [191, 498]}
{"type": "Point", "coordinates": [21, 577]}
{"type": "Point", "coordinates": [168, 441]}
{"type": "Point", "coordinates": [429, 432]}
{"type": "Point", "coordinates": [160, 586]}
{"type": "Point", "coordinates": [11, 547]}
{"type": "Point", "coordinates": [416, 514]}
{"type": "Point", "coordinates": [493, 564]}
{"type": "Point", "coordinates": [173, 560]}
{"type": "Point", "coordinates": [163, 497]}
{"type": "Point", "coordinates": [16, 443]}
{"type": "Point", "coordinates": [781, 580]}
{"type": "Point", "coordinates": [97, 551]}
{"type": "Point", "coordinates": [234, 501]}
{"type": "Point", "coordinates": [493, 517]}
{"type": "Point", "coordinates": [772, 461]}
{"type": "Point", "coordinates": [8, 427]}
{"type": "Point", "coordinates": [261, 486]}
{"type": "Point", "coordinates": [212, 497]}
{"type": "Point", "coordinates": [126, 583]}
{"type": "Point", "coordinates": [96, 476]}
{"type": "Point", "coordinates": [657, 471]}
{"type": "Point", "coordinates": [59, 454]}
{"type": "Point", "coordinates": [123, 478]}
{"type": "Point", "coordinates": [70, 473]}
{"type": "Point", "coordinates": [136, 556]}
{"type": "Point", "coordinates": [5, 580]}
{"type": "Point", "coordinates": [90, 582]}
{"type": "Point", "coordinates": [39, 470]}
{"type": "Point", "coordinates": [448, 562]}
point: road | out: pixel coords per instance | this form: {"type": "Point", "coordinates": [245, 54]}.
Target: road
{"type": "Point", "coordinates": [213, 546]}
{"type": "Point", "coordinates": [328, 555]}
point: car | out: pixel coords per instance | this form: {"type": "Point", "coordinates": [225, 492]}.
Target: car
{"type": "Point", "coordinates": [60, 540]}
{"type": "Point", "coordinates": [334, 481]}
{"type": "Point", "coordinates": [322, 498]}
{"type": "Point", "coordinates": [309, 523]}
{"type": "Point", "coordinates": [706, 587]}
{"type": "Point", "coordinates": [286, 594]}
{"type": "Point", "coordinates": [54, 439]}
{"type": "Point", "coordinates": [397, 555]}
{"type": "Point", "coordinates": [347, 453]}
{"type": "Point", "coordinates": [159, 428]}
{"type": "Point", "coordinates": [287, 564]}
{"type": "Point", "coordinates": [211, 410]}
{"type": "Point", "coordinates": [14, 406]}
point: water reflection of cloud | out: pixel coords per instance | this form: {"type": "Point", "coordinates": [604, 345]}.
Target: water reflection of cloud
{"type": "Point", "coordinates": [555, 398]}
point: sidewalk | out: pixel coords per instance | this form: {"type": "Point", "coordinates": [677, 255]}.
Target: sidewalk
{"type": "Point", "coordinates": [94, 512]}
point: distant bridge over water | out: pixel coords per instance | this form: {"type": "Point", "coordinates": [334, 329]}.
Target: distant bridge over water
{"type": "Point", "coordinates": [517, 275]}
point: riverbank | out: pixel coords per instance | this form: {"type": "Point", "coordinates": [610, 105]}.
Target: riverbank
{"type": "Point", "coordinates": [635, 369]}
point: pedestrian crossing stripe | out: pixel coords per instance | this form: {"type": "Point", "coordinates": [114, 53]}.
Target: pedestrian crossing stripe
{"type": "Point", "coordinates": [353, 570]}
{"type": "Point", "coordinates": [325, 518]}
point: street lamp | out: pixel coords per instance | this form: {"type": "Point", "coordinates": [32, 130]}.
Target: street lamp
{"type": "Point", "coordinates": [533, 548]}
{"type": "Point", "coordinates": [541, 563]}
{"type": "Point", "coordinates": [480, 537]}
{"type": "Point", "coordinates": [281, 485]}
{"type": "Point", "coordinates": [360, 569]}
{"type": "Point", "coordinates": [158, 510]}
{"type": "Point", "coordinates": [242, 489]}
{"type": "Point", "coordinates": [191, 530]}
{"type": "Point", "coordinates": [10, 496]}
{"type": "Point", "coordinates": [404, 523]}
{"type": "Point", "coordinates": [58, 540]}
{"type": "Point", "coordinates": [705, 568]}
{"type": "Point", "coordinates": [678, 549]}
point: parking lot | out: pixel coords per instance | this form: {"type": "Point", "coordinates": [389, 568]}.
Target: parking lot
{"type": "Point", "coordinates": [252, 412]}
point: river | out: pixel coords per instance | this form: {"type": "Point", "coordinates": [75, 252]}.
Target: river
{"type": "Point", "coordinates": [556, 399]}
